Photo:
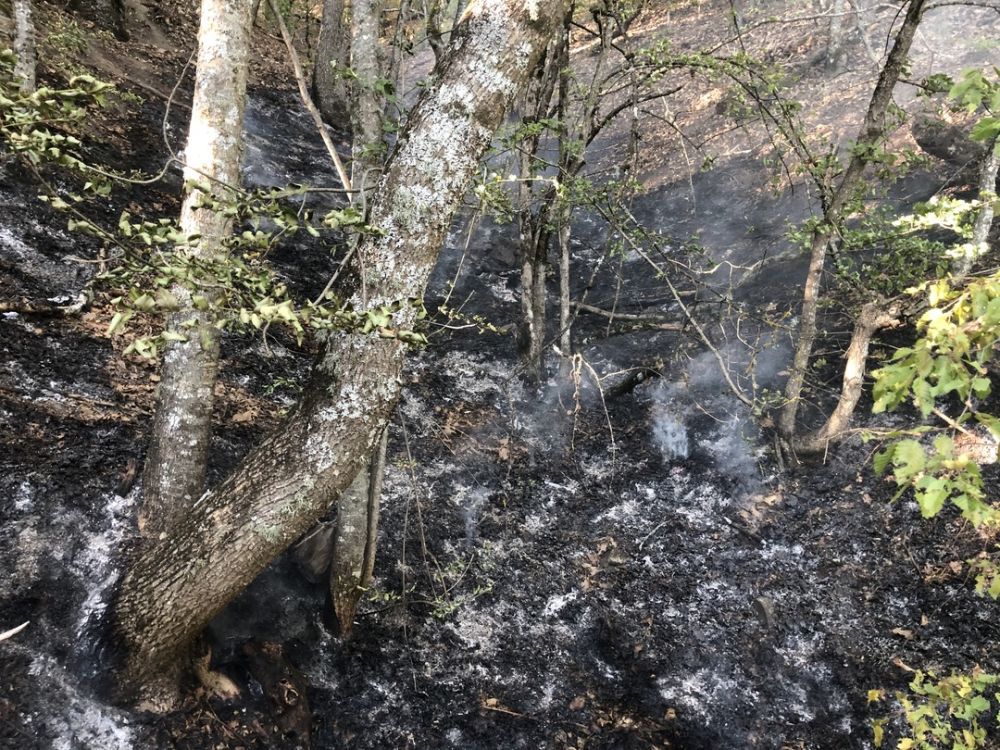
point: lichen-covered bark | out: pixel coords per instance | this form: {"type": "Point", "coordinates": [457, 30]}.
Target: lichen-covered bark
{"type": "Point", "coordinates": [179, 582]}
{"type": "Point", "coordinates": [368, 103]}
{"type": "Point", "coordinates": [174, 476]}
{"type": "Point", "coordinates": [872, 132]}
{"type": "Point", "coordinates": [24, 45]}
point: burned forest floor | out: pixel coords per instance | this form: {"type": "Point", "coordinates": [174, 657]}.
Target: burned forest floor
{"type": "Point", "coordinates": [593, 560]}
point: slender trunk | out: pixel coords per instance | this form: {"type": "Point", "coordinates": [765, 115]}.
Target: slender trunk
{"type": "Point", "coordinates": [24, 45]}
{"type": "Point", "coordinates": [179, 582]}
{"type": "Point", "coordinates": [565, 309]}
{"type": "Point", "coordinates": [859, 24]}
{"type": "Point", "coordinates": [534, 214]}
{"type": "Point", "coordinates": [333, 49]}
{"type": "Point", "coordinates": [357, 508]}
{"type": "Point", "coordinates": [433, 11]}
{"type": "Point", "coordinates": [368, 104]}
{"type": "Point", "coordinates": [174, 476]}
{"type": "Point", "coordinates": [835, 46]}
{"type": "Point", "coordinates": [872, 131]}
{"type": "Point", "coordinates": [355, 538]}
{"type": "Point", "coordinates": [873, 317]}
{"type": "Point", "coordinates": [984, 219]}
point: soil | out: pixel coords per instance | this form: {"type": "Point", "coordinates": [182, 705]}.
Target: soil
{"type": "Point", "coordinates": [560, 565]}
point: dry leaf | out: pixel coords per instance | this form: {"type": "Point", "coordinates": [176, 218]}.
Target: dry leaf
{"type": "Point", "coordinates": [903, 633]}
{"type": "Point", "coordinates": [247, 415]}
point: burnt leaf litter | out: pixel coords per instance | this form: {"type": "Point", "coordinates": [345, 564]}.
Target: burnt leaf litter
{"type": "Point", "coordinates": [555, 569]}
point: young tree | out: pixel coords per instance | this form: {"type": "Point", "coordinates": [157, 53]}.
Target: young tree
{"type": "Point", "coordinates": [863, 151]}
{"type": "Point", "coordinates": [179, 581]}
{"type": "Point", "coordinates": [24, 45]}
{"type": "Point", "coordinates": [174, 475]}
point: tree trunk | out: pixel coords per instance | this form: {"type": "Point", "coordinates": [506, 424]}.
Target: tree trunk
{"type": "Point", "coordinates": [174, 475]}
{"type": "Point", "coordinates": [872, 131]}
{"type": "Point", "coordinates": [436, 35]}
{"type": "Point", "coordinates": [835, 54]}
{"type": "Point", "coordinates": [534, 213]}
{"type": "Point", "coordinates": [179, 582]}
{"type": "Point", "coordinates": [333, 50]}
{"type": "Point", "coordinates": [357, 508]}
{"type": "Point", "coordinates": [984, 218]}
{"type": "Point", "coordinates": [367, 103]}
{"type": "Point", "coordinates": [24, 45]}
{"type": "Point", "coordinates": [873, 317]}
{"type": "Point", "coordinates": [355, 539]}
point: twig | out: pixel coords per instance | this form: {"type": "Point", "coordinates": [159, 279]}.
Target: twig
{"type": "Point", "coordinates": [652, 320]}
{"type": "Point", "coordinates": [13, 631]}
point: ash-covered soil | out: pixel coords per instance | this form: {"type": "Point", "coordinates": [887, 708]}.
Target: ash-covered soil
{"type": "Point", "coordinates": [559, 565]}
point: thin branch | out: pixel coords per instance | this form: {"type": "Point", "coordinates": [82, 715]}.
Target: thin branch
{"type": "Point", "coordinates": [300, 79]}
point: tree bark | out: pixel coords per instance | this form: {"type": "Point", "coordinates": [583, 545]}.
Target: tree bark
{"type": "Point", "coordinates": [174, 475]}
{"type": "Point", "coordinates": [872, 131]}
{"type": "Point", "coordinates": [355, 539]}
{"type": "Point", "coordinates": [357, 508]}
{"type": "Point", "coordinates": [984, 218]}
{"type": "Point", "coordinates": [179, 582]}
{"type": "Point", "coordinates": [24, 45]}
{"type": "Point", "coordinates": [367, 103]}
{"type": "Point", "coordinates": [835, 46]}
{"type": "Point", "coordinates": [333, 50]}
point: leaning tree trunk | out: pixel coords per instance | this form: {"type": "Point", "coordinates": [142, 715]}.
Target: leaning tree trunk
{"type": "Point", "coordinates": [174, 475]}
{"type": "Point", "coordinates": [24, 45]}
{"type": "Point", "coordinates": [178, 583]}
{"type": "Point", "coordinates": [333, 51]}
{"type": "Point", "coordinates": [872, 132]}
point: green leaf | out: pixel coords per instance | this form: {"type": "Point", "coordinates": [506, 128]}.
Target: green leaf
{"type": "Point", "coordinates": [908, 459]}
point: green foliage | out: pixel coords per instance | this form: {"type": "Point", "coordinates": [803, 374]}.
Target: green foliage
{"type": "Point", "coordinates": [38, 126]}
{"type": "Point", "coordinates": [950, 358]}
{"type": "Point", "coordinates": [155, 267]}
{"type": "Point", "coordinates": [886, 256]}
{"type": "Point", "coordinates": [973, 91]}
{"type": "Point", "coordinates": [987, 571]}
{"type": "Point", "coordinates": [954, 712]}
{"type": "Point", "coordinates": [937, 475]}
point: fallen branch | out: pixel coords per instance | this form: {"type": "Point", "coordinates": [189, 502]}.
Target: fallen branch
{"type": "Point", "coordinates": [14, 631]}
{"type": "Point", "coordinates": [44, 308]}
{"type": "Point", "coordinates": [649, 320]}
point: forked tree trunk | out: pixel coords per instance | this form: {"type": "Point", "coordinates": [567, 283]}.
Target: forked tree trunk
{"type": "Point", "coordinates": [24, 45]}
{"type": "Point", "coordinates": [178, 583]}
{"type": "Point", "coordinates": [873, 317]}
{"type": "Point", "coordinates": [872, 132]}
{"type": "Point", "coordinates": [174, 475]}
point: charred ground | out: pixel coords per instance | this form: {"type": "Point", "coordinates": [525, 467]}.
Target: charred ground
{"type": "Point", "coordinates": [556, 569]}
